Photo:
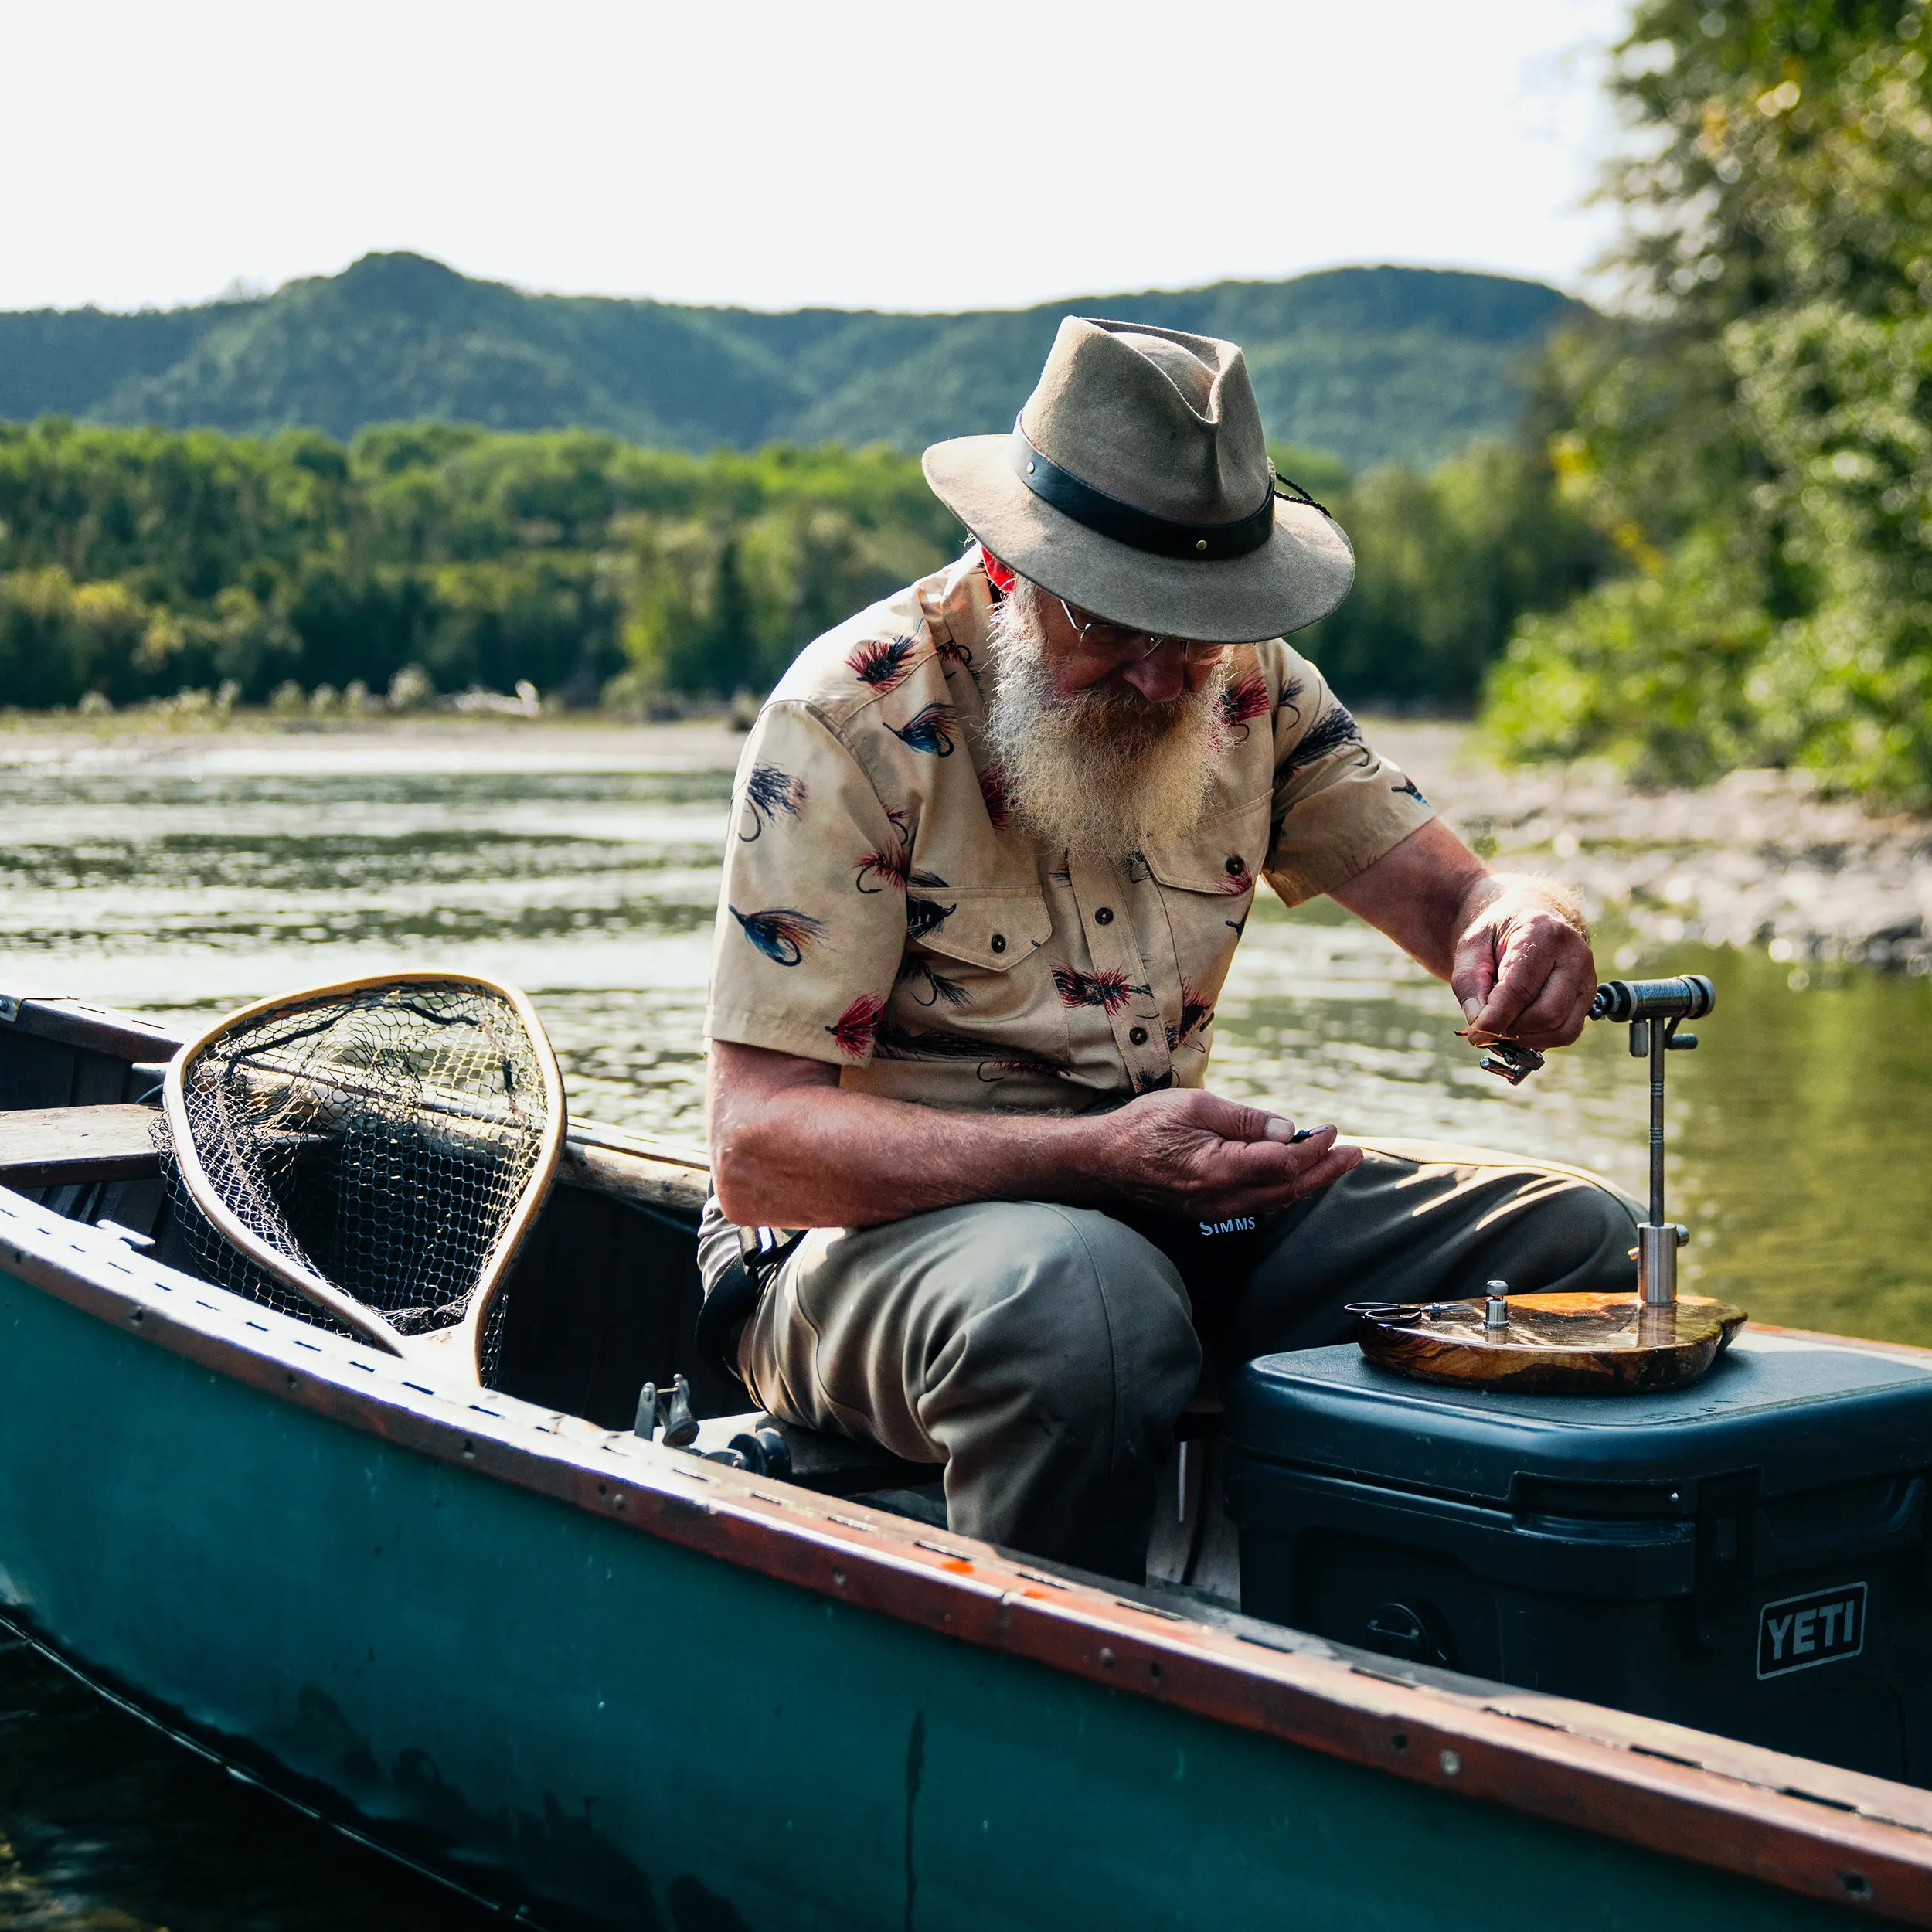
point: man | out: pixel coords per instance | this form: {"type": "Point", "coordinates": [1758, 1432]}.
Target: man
{"type": "Point", "coordinates": [993, 845]}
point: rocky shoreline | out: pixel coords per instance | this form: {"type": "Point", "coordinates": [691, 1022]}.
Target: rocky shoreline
{"type": "Point", "coordinates": [1756, 860]}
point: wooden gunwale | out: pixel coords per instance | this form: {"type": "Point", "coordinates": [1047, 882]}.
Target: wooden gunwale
{"type": "Point", "coordinates": [1810, 1829]}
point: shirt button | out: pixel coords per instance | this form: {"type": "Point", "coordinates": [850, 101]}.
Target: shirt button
{"type": "Point", "coordinates": [1103, 916]}
{"type": "Point", "coordinates": [1236, 865]}
{"type": "Point", "coordinates": [998, 942]}
{"type": "Point", "coordinates": [1138, 1036]}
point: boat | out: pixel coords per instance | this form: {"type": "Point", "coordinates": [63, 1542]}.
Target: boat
{"type": "Point", "coordinates": [593, 1679]}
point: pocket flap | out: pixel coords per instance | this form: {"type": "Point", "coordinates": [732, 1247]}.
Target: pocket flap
{"type": "Point", "coordinates": [1224, 856]}
{"type": "Point", "coordinates": [992, 930]}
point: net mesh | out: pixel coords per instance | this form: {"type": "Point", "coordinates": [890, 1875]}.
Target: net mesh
{"type": "Point", "coordinates": [380, 1138]}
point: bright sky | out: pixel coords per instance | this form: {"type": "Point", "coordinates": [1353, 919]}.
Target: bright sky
{"type": "Point", "coordinates": [858, 153]}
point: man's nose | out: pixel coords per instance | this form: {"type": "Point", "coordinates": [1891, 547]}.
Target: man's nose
{"type": "Point", "coordinates": [1161, 676]}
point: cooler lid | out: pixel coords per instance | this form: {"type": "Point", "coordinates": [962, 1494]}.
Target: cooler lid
{"type": "Point", "coordinates": [1803, 1412]}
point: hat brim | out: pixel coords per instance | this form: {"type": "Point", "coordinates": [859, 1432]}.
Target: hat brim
{"type": "Point", "coordinates": [1300, 574]}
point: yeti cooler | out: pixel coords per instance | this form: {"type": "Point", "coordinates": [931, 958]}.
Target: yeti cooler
{"type": "Point", "coordinates": [1748, 1556]}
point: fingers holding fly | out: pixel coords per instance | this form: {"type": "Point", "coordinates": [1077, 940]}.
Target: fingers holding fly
{"type": "Point", "coordinates": [1282, 1171]}
{"type": "Point", "coordinates": [1528, 956]}
{"type": "Point", "coordinates": [1556, 1015]}
{"type": "Point", "coordinates": [1233, 1120]}
{"type": "Point", "coordinates": [1337, 1158]}
{"type": "Point", "coordinates": [1472, 973]}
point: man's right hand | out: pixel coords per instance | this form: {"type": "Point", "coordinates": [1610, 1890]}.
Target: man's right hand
{"type": "Point", "coordinates": [1193, 1154]}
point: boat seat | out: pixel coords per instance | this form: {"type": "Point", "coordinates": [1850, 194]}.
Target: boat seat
{"type": "Point", "coordinates": [42, 1147]}
{"type": "Point", "coordinates": [833, 1465]}
{"type": "Point", "coordinates": [841, 1466]}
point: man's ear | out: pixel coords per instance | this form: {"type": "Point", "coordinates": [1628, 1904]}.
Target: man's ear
{"type": "Point", "coordinates": [996, 573]}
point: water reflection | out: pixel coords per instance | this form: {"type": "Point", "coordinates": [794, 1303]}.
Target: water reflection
{"type": "Point", "coordinates": [184, 887]}
{"type": "Point", "coordinates": [1799, 1128]}
{"type": "Point", "coordinates": [108, 1826]}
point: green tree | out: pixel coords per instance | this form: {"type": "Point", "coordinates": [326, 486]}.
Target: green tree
{"type": "Point", "coordinates": [1757, 440]}
{"type": "Point", "coordinates": [1445, 564]}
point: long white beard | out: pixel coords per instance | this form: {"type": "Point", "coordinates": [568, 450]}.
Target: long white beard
{"type": "Point", "coordinates": [1103, 772]}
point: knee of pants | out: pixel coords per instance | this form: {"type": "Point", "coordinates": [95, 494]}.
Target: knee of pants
{"type": "Point", "coordinates": [1100, 1315]}
{"type": "Point", "coordinates": [1590, 1221]}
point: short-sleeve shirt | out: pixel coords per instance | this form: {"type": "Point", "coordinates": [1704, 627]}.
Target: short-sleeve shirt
{"type": "Point", "coordinates": [882, 911]}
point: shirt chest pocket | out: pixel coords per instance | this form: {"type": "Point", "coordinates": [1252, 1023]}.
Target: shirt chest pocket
{"type": "Point", "coordinates": [1208, 881]}
{"type": "Point", "coordinates": [962, 945]}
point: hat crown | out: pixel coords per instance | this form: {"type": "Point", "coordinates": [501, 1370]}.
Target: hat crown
{"type": "Point", "coordinates": [1155, 418]}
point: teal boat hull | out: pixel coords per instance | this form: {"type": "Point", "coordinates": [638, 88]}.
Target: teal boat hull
{"type": "Point", "coordinates": [549, 1704]}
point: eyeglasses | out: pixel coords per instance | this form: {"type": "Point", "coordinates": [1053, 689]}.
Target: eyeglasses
{"type": "Point", "coordinates": [1123, 647]}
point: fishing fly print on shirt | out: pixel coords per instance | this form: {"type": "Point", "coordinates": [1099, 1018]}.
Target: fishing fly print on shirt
{"type": "Point", "coordinates": [992, 1063]}
{"type": "Point", "coordinates": [892, 869]}
{"type": "Point", "coordinates": [854, 1028]}
{"type": "Point", "coordinates": [770, 793]}
{"type": "Point", "coordinates": [1196, 1015]}
{"type": "Point", "coordinates": [884, 663]}
{"type": "Point", "coordinates": [1330, 732]}
{"type": "Point", "coordinates": [1108, 991]}
{"type": "Point", "coordinates": [781, 934]}
{"type": "Point", "coordinates": [939, 990]}
{"type": "Point", "coordinates": [924, 915]}
{"type": "Point", "coordinates": [868, 923]}
{"type": "Point", "coordinates": [992, 790]}
{"type": "Point", "coordinates": [1243, 700]}
{"type": "Point", "coordinates": [930, 730]}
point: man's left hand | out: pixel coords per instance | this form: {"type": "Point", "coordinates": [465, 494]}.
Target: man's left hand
{"type": "Point", "coordinates": [1523, 968]}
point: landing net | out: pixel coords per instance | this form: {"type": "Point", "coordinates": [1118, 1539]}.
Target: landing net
{"type": "Point", "coordinates": [381, 1137]}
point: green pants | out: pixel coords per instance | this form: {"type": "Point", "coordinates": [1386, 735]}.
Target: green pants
{"type": "Point", "coordinates": [1043, 1353]}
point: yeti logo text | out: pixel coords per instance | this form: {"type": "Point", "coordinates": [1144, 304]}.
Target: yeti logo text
{"type": "Point", "coordinates": [1823, 1627]}
{"type": "Point", "coordinates": [1238, 1224]}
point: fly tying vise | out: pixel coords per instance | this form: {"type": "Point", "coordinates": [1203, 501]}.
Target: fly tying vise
{"type": "Point", "coordinates": [1581, 1342]}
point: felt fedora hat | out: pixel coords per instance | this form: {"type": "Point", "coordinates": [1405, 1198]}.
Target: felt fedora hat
{"type": "Point", "coordinates": [1136, 484]}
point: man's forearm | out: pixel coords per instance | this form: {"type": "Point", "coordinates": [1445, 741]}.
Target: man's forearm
{"type": "Point", "coordinates": [1422, 894]}
{"type": "Point", "coordinates": [821, 1157]}
{"type": "Point", "coordinates": [791, 1148]}
{"type": "Point", "coordinates": [1514, 948]}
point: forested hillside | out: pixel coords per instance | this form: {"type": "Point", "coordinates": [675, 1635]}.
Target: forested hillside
{"type": "Point", "coordinates": [1376, 365]}
{"type": "Point", "coordinates": [137, 565]}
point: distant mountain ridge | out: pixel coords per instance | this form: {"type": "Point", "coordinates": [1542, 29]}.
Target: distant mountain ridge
{"type": "Point", "coordinates": [1373, 364]}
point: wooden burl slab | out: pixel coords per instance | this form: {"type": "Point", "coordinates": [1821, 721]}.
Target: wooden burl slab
{"type": "Point", "coordinates": [1582, 1343]}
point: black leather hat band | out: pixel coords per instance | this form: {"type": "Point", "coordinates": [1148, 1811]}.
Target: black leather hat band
{"type": "Point", "coordinates": [1139, 529]}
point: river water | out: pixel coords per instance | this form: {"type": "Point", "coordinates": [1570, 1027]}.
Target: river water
{"type": "Point", "coordinates": [183, 879]}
